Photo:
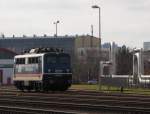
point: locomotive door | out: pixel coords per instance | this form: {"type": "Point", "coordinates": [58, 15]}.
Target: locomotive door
{"type": "Point", "coordinates": [1, 77]}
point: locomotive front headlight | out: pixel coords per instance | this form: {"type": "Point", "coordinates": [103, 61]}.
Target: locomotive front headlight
{"type": "Point", "coordinates": [49, 70]}
{"type": "Point", "coordinates": [68, 70]}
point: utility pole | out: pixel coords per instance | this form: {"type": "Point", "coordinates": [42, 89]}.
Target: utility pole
{"type": "Point", "coordinates": [56, 26]}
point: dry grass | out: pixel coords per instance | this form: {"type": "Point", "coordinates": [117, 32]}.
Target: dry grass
{"type": "Point", "coordinates": [110, 89]}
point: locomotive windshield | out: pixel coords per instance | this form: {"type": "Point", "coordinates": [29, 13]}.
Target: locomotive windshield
{"type": "Point", "coordinates": [54, 61]}
{"type": "Point", "coordinates": [64, 60]}
{"type": "Point", "coordinates": [51, 60]}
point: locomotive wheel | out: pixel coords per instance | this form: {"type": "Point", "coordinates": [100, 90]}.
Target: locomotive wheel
{"type": "Point", "coordinates": [45, 87]}
{"type": "Point", "coordinates": [63, 88]}
{"type": "Point", "coordinates": [27, 88]}
{"type": "Point", "coordinates": [37, 87]}
{"type": "Point", "coordinates": [21, 88]}
{"type": "Point", "coordinates": [52, 87]}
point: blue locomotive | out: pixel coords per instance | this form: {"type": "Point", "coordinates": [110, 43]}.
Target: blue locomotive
{"type": "Point", "coordinates": [43, 69]}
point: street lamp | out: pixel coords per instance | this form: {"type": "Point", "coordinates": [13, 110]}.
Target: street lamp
{"type": "Point", "coordinates": [56, 26]}
{"type": "Point", "coordinates": [99, 78]}
{"type": "Point", "coordinates": [97, 7]}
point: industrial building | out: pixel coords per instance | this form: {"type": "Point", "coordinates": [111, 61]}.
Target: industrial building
{"type": "Point", "coordinates": [70, 44]}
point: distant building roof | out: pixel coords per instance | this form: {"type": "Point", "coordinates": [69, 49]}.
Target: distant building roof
{"type": "Point", "coordinates": [44, 36]}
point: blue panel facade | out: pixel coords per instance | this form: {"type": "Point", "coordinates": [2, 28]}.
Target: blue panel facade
{"type": "Point", "coordinates": [18, 44]}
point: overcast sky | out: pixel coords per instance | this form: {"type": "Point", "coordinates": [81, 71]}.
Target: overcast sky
{"type": "Point", "coordinates": [123, 21]}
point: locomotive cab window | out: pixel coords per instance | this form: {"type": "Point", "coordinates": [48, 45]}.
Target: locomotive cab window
{"type": "Point", "coordinates": [51, 60]}
{"type": "Point", "coordinates": [64, 60]}
{"type": "Point", "coordinates": [20, 61]}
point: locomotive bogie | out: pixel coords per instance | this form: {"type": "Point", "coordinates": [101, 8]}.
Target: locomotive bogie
{"type": "Point", "coordinates": [47, 84]}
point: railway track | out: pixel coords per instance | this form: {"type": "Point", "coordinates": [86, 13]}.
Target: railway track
{"type": "Point", "coordinates": [19, 110]}
{"type": "Point", "coordinates": [78, 101]}
{"type": "Point", "coordinates": [12, 89]}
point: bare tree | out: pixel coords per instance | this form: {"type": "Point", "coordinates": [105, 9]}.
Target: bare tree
{"type": "Point", "coordinates": [124, 61]}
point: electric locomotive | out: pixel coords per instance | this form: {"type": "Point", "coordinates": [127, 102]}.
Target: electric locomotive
{"type": "Point", "coordinates": [43, 69]}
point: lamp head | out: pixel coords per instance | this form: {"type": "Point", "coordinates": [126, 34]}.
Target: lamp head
{"type": "Point", "coordinates": [95, 6]}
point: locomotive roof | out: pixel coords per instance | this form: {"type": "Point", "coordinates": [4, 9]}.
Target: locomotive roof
{"type": "Point", "coordinates": [29, 55]}
{"type": "Point", "coordinates": [35, 54]}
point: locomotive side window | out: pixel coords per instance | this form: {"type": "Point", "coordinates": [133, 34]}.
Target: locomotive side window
{"type": "Point", "coordinates": [33, 60]}
{"type": "Point", "coordinates": [20, 61]}
{"type": "Point", "coordinates": [33, 65]}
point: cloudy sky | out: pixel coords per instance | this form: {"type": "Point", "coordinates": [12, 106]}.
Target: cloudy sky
{"type": "Point", "coordinates": [123, 21]}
